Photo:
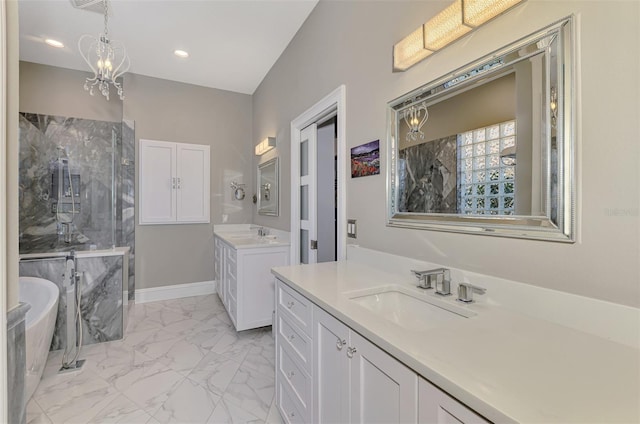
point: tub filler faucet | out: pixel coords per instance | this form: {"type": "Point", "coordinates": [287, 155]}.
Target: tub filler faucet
{"type": "Point", "coordinates": [438, 278]}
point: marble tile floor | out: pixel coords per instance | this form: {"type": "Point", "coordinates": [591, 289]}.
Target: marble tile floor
{"type": "Point", "coordinates": [181, 361]}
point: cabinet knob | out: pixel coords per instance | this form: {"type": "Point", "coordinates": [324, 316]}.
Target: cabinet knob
{"type": "Point", "coordinates": [351, 351]}
{"type": "Point", "coordinates": [340, 344]}
{"type": "Point", "coordinates": [291, 337]}
{"type": "Point", "coordinates": [292, 414]}
{"type": "Point", "coordinates": [173, 184]}
{"type": "Point", "coordinates": [290, 304]}
{"type": "Point", "coordinates": [291, 374]}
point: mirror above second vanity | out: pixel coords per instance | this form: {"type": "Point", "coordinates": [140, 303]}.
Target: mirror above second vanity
{"type": "Point", "coordinates": [268, 188]}
{"type": "Point", "coordinates": [489, 148]}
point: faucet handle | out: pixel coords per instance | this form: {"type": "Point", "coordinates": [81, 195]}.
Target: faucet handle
{"type": "Point", "coordinates": [466, 290]}
{"type": "Point", "coordinates": [424, 282]}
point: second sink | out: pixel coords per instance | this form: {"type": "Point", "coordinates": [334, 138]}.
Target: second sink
{"type": "Point", "coordinates": [413, 311]}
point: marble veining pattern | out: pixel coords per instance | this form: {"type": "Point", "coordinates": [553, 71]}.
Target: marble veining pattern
{"type": "Point", "coordinates": [428, 177]}
{"type": "Point", "coordinates": [16, 362]}
{"type": "Point", "coordinates": [180, 361]}
{"type": "Point", "coordinates": [101, 303]}
{"type": "Point", "coordinates": [103, 155]}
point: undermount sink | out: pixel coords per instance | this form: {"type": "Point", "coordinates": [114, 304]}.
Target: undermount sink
{"type": "Point", "coordinates": [412, 311]}
{"type": "Point", "coordinates": [249, 239]}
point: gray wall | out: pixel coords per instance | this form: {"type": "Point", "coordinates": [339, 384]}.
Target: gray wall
{"type": "Point", "coordinates": [171, 111]}
{"type": "Point", "coordinates": [49, 90]}
{"type": "Point", "coordinates": [168, 111]}
{"type": "Point", "coordinates": [351, 42]}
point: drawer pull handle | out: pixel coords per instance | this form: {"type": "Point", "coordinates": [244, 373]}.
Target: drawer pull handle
{"type": "Point", "coordinates": [291, 374]}
{"type": "Point", "coordinates": [290, 304]}
{"type": "Point", "coordinates": [340, 344]}
{"type": "Point", "coordinates": [291, 337]}
{"type": "Point", "coordinates": [351, 351]}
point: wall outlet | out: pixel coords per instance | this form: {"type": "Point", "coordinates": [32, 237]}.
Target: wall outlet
{"type": "Point", "coordinates": [352, 230]}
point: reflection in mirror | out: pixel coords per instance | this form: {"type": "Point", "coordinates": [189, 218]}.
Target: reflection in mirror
{"type": "Point", "coordinates": [489, 148]}
{"type": "Point", "coordinates": [268, 188]}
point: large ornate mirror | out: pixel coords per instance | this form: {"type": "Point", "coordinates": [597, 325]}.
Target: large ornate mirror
{"type": "Point", "coordinates": [268, 188]}
{"type": "Point", "coordinates": [489, 148]}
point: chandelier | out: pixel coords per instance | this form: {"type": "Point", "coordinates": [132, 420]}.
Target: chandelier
{"type": "Point", "coordinates": [415, 117]}
{"type": "Point", "coordinates": [107, 59]}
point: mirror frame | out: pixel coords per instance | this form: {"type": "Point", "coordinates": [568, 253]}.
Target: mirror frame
{"type": "Point", "coordinates": [275, 211]}
{"type": "Point", "coordinates": [516, 226]}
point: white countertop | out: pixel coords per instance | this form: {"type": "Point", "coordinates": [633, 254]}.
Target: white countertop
{"type": "Point", "coordinates": [247, 240]}
{"type": "Point", "coordinates": [505, 365]}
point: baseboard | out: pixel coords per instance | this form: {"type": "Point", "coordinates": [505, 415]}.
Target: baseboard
{"type": "Point", "coordinates": [176, 291]}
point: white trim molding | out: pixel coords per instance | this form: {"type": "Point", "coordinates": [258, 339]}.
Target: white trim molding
{"type": "Point", "coordinates": [333, 102]}
{"type": "Point", "coordinates": [175, 291]}
{"type": "Point", "coordinates": [3, 207]}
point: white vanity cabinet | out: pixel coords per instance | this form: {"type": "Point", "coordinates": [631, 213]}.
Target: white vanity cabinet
{"type": "Point", "coordinates": [437, 407]}
{"type": "Point", "coordinates": [245, 282]}
{"type": "Point", "coordinates": [350, 379]}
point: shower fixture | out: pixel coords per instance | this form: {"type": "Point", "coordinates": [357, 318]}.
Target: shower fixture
{"type": "Point", "coordinates": [65, 194]}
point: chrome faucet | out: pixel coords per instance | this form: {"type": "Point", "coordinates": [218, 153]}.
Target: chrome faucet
{"type": "Point", "coordinates": [439, 277]}
{"type": "Point", "coordinates": [263, 232]}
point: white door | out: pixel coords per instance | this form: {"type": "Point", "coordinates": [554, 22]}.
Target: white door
{"type": "Point", "coordinates": [382, 389]}
{"type": "Point", "coordinates": [331, 368]}
{"type": "Point", "coordinates": [308, 198]}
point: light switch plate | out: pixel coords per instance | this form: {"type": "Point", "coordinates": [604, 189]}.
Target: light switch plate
{"type": "Point", "coordinates": [352, 231]}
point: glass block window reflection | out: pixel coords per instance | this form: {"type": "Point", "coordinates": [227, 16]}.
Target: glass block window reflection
{"type": "Point", "coordinates": [486, 185]}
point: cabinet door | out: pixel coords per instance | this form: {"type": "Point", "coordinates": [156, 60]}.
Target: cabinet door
{"type": "Point", "coordinates": [192, 183]}
{"type": "Point", "coordinates": [157, 182]}
{"type": "Point", "coordinates": [331, 369]}
{"type": "Point", "coordinates": [382, 389]}
{"type": "Point", "coordinates": [437, 407]}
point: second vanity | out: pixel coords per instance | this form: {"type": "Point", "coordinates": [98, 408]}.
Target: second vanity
{"type": "Point", "coordinates": [342, 355]}
{"type": "Point", "coordinates": [244, 255]}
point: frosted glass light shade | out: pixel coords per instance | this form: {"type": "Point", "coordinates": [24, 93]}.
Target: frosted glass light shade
{"type": "Point", "coordinates": [477, 12]}
{"type": "Point", "coordinates": [445, 27]}
{"type": "Point", "coordinates": [265, 145]}
{"type": "Point", "coordinates": [409, 51]}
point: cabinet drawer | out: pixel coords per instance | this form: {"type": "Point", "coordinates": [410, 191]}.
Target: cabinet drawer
{"type": "Point", "coordinates": [289, 408]}
{"type": "Point", "coordinates": [294, 306]}
{"type": "Point", "coordinates": [233, 288]}
{"type": "Point", "coordinates": [230, 270]}
{"type": "Point", "coordinates": [298, 380]}
{"type": "Point", "coordinates": [230, 254]}
{"type": "Point", "coordinates": [298, 343]}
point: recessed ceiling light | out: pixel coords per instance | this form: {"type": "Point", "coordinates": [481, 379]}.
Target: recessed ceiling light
{"type": "Point", "coordinates": [181, 53]}
{"type": "Point", "coordinates": [54, 43]}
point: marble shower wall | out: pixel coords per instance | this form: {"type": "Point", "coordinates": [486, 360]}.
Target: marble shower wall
{"type": "Point", "coordinates": [103, 155]}
{"type": "Point", "coordinates": [428, 177]}
{"type": "Point", "coordinates": [102, 296]}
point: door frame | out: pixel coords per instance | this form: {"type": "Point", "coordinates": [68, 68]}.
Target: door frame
{"type": "Point", "coordinates": [3, 222]}
{"type": "Point", "coordinates": [334, 102]}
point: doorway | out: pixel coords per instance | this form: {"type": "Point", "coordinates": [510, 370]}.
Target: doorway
{"type": "Point", "coordinates": [318, 177]}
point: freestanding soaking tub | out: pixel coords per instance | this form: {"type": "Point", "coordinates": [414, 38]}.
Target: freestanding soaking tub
{"type": "Point", "coordinates": [43, 296]}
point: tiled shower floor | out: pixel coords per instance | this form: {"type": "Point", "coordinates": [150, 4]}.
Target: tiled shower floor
{"type": "Point", "coordinates": [180, 361]}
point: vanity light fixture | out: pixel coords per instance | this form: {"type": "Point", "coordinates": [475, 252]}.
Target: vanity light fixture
{"type": "Point", "coordinates": [265, 145]}
{"type": "Point", "coordinates": [54, 43]}
{"type": "Point", "coordinates": [181, 54]}
{"type": "Point", "coordinates": [458, 19]}
{"type": "Point", "coordinates": [107, 59]}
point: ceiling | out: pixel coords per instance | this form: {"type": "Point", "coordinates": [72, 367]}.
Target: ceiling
{"type": "Point", "coordinates": [232, 43]}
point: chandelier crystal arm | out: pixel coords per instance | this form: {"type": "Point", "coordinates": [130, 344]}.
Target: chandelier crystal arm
{"type": "Point", "coordinates": [106, 58]}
